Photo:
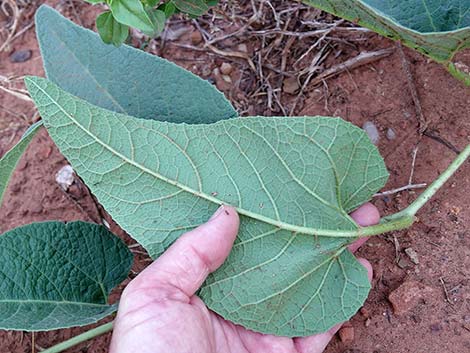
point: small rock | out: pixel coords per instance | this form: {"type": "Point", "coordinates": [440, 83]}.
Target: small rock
{"type": "Point", "coordinates": [413, 255]}
{"type": "Point", "coordinates": [367, 323]}
{"type": "Point", "coordinates": [371, 130]}
{"type": "Point", "coordinates": [407, 296]}
{"type": "Point", "coordinates": [196, 37]}
{"type": "Point", "coordinates": [243, 48]}
{"type": "Point", "coordinates": [64, 177]}
{"type": "Point", "coordinates": [20, 56]}
{"type": "Point", "coordinates": [364, 312]}
{"type": "Point", "coordinates": [290, 85]}
{"type": "Point", "coordinates": [220, 81]}
{"type": "Point", "coordinates": [346, 334]}
{"type": "Point", "coordinates": [227, 78]}
{"type": "Point", "coordinates": [226, 68]}
{"type": "Point", "coordinates": [391, 134]}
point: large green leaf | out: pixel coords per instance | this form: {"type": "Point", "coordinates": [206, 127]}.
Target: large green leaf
{"type": "Point", "coordinates": [292, 180]}
{"type": "Point", "coordinates": [57, 275]}
{"type": "Point", "coordinates": [11, 158]}
{"type": "Point", "coordinates": [434, 27]}
{"type": "Point", "coordinates": [124, 79]}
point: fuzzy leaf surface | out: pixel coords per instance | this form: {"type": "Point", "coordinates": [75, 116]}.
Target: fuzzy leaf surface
{"type": "Point", "coordinates": [433, 27]}
{"type": "Point", "coordinates": [57, 275]}
{"type": "Point", "coordinates": [124, 79]}
{"type": "Point", "coordinates": [291, 180]}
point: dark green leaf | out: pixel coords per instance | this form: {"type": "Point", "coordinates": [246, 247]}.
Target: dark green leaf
{"type": "Point", "coordinates": [124, 79]}
{"type": "Point", "coordinates": [131, 13]}
{"type": "Point", "coordinates": [168, 8]}
{"type": "Point", "coordinates": [111, 31]}
{"type": "Point", "coordinates": [158, 19]}
{"type": "Point", "coordinates": [57, 275]}
{"type": "Point", "coordinates": [11, 158]}
{"type": "Point", "coordinates": [292, 180]}
{"type": "Point", "coordinates": [191, 7]}
{"type": "Point", "coordinates": [434, 27]}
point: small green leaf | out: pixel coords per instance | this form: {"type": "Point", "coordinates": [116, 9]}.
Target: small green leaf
{"type": "Point", "coordinates": [168, 8]}
{"type": "Point", "coordinates": [124, 79]}
{"type": "Point", "coordinates": [212, 2]}
{"type": "Point", "coordinates": [191, 7]}
{"type": "Point", "coordinates": [11, 158]}
{"type": "Point", "coordinates": [131, 13]}
{"type": "Point", "coordinates": [435, 28]}
{"type": "Point", "coordinates": [95, 1]}
{"type": "Point", "coordinates": [158, 19]}
{"type": "Point", "coordinates": [111, 31]}
{"type": "Point", "coordinates": [57, 275]}
{"type": "Point", "coordinates": [292, 180]}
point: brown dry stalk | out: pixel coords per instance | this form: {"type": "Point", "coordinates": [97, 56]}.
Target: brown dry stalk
{"type": "Point", "coordinates": [363, 58]}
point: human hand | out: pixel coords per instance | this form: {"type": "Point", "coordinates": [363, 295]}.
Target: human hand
{"type": "Point", "coordinates": [159, 312]}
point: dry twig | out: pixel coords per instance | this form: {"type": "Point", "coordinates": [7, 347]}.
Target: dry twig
{"type": "Point", "coordinates": [423, 124]}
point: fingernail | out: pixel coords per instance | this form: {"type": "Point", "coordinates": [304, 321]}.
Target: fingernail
{"type": "Point", "coordinates": [217, 213]}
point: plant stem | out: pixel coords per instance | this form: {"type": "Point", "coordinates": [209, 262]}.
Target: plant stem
{"type": "Point", "coordinates": [424, 197]}
{"type": "Point", "coordinates": [80, 338]}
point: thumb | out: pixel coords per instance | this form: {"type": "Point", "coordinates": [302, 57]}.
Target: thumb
{"type": "Point", "coordinates": [185, 265]}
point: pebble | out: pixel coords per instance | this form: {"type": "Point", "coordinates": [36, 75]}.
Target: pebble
{"type": "Point", "coordinates": [64, 177]}
{"type": "Point", "coordinates": [413, 255]}
{"type": "Point", "coordinates": [196, 37]}
{"type": "Point", "coordinates": [220, 80]}
{"type": "Point", "coordinates": [243, 48]}
{"type": "Point", "coordinates": [290, 85]}
{"type": "Point", "coordinates": [391, 134]}
{"type": "Point", "coordinates": [226, 68]}
{"type": "Point", "coordinates": [372, 131]}
{"type": "Point", "coordinates": [407, 296]}
{"type": "Point", "coordinates": [346, 334]}
{"type": "Point", "coordinates": [20, 56]}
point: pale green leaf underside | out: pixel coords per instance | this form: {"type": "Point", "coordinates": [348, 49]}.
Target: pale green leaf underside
{"type": "Point", "coordinates": [11, 158]}
{"type": "Point", "coordinates": [124, 79]}
{"type": "Point", "coordinates": [436, 28]}
{"type": "Point", "coordinates": [57, 275]}
{"type": "Point", "coordinates": [286, 176]}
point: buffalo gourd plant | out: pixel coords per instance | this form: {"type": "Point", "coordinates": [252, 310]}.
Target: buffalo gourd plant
{"type": "Point", "coordinates": [148, 16]}
{"type": "Point", "coordinates": [436, 28]}
{"type": "Point", "coordinates": [161, 149]}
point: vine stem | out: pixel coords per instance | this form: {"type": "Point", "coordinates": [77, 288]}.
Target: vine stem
{"type": "Point", "coordinates": [424, 197]}
{"type": "Point", "coordinates": [80, 338]}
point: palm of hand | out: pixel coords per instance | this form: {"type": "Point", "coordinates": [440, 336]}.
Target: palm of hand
{"type": "Point", "coordinates": [159, 311]}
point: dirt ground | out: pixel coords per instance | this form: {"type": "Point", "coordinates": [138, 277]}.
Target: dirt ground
{"type": "Point", "coordinates": [264, 79]}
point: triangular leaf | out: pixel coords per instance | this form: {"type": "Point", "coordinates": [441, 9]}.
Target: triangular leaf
{"type": "Point", "coordinates": [124, 79]}
{"type": "Point", "coordinates": [11, 158]}
{"type": "Point", "coordinates": [57, 275]}
{"type": "Point", "coordinates": [292, 180]}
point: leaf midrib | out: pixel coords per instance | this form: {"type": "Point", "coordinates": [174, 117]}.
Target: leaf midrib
{"type": "Point", "coordinates": [250, 214]}
{"type": "Point", "coordinates": [58, 302]}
